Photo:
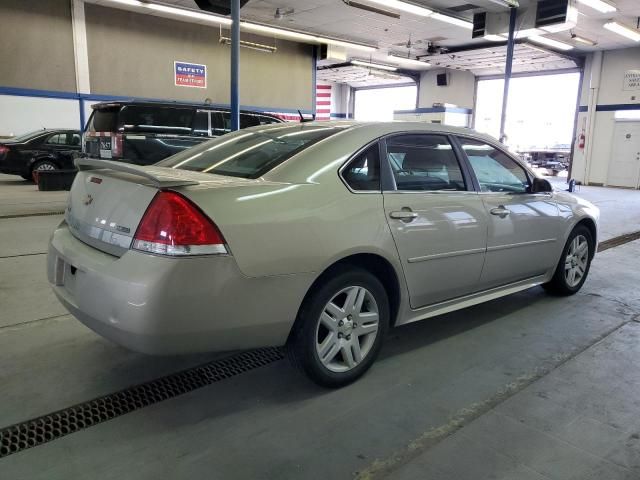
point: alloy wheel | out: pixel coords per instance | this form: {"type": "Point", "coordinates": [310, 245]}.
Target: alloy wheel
{"type": "Point", "coordinates": [575, 263]}
{"type": "Point", "coordinates": [347, 329]}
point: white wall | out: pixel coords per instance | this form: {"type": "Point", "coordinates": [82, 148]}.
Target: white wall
{"type": "Point", "coordinates": [614, 65]}
{"type": "Point", "coordinates": [20, 115]}
{"type": "Point", "coordinates": [460, 91]}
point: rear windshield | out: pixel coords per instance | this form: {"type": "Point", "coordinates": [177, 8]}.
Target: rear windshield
{"type": "Point", "coordinates": [249, 154]}
{"type": "Point", "coordinates": [104, 120]}
{"type": "Point", "coordinates": [25, 137]}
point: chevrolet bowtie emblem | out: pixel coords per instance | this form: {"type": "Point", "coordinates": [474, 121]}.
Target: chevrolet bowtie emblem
{"type": "Point", "coordinates": [88, 200]}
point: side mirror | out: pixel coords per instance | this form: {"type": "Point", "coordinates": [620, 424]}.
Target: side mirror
{"type": "Point", "coordinates": [540, 185]}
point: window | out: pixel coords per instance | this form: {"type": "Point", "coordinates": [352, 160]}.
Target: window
{"type": "Point", "coordinates": [249, 154]}
{"type": "Point", "coordinates": [220, 123]}
{"type": "Point", "coordinates": [58, 139]}
{"type": "Point", "coordinates": [424, 162]}
{"type": "Point", "coordinates": [495, 170]}
{"type": "Point", "coordinates": [75, 139]}
{"type": "Point", "coordinates": [155, 118]}
{"type": "Point", "coordinates": [104, 120]}
{"type": "Point", "coordinates": [363, 172]}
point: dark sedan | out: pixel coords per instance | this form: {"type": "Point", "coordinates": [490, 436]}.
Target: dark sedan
{"type": "Point", "coordinates": [40, 150]}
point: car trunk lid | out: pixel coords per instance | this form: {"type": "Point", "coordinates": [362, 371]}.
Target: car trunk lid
{"type": "Point", "coordinates": [108, 199]}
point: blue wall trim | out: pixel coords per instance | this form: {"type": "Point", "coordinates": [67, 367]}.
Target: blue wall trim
{"type": "Point", "coordinates": [620, 106]}
{"type": "Point", "coordinates": [341, 115]}
{"type": "Point", "coordinates": [612, 108]}
{"type": "Point", "coordinates": [437, 110]}
{"type": "Point", "coordinates": [28, 92]}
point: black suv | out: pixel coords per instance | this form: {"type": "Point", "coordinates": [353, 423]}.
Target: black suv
{"type": "Point", "coordinates": [147, 132]}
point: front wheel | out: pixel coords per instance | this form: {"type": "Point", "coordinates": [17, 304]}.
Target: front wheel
{"type": "Point", "coordinates": [340, 328]}
{"type": "Point", "coordinates": [574, 264]}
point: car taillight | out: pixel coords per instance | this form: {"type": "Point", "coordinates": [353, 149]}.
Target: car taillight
{"type": "Point", "coordinates": [116, 145]}
{"type": "Point", "coordinates": [172, 225]}
{"type": "Point", "coordinates": [3, 149]}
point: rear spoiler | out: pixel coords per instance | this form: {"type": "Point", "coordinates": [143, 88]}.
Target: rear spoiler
{"type": "Point", "coordinates": [161, 177]}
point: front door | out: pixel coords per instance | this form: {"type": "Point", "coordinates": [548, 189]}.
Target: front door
{"type": "Point", "coordinates": [624, 167]}
{"type": "Point", "coordinates": [524, 228]}
{"type": "Point", "coordinates": [438, 222]}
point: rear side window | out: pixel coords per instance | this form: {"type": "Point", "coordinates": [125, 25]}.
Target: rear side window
{"type": "Point", "coordinates": [424, 162]}
{"type": "Point", "coordinates": [363, 172]}
{"type": "Point", "coordinates": [249, 154]}
{"type": "Point", "coordinates": [156, 118]}
{"type": "Point", "coordinates": [104, 120]}
{"type": "Point", "coordinates": [57, 139]}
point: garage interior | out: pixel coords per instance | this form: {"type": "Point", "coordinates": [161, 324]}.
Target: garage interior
{"type": "Point", "coordinates": [528, 386]}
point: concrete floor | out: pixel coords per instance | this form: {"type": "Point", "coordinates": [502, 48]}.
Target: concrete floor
{"type": "Point", "coordinates": [528, 386]}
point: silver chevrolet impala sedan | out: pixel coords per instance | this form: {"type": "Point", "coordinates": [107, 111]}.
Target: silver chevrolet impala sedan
{"type": "Point", "coordinates": [317, 236]}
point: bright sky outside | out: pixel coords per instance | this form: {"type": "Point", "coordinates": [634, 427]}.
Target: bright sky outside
{"type": "Point", "coordinates": [540, 114]}
{"type": "Point", "coordinates": [378, 104]}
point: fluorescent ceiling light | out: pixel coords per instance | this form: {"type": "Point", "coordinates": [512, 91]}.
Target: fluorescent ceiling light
{"type": "Point", "coordinates": [506, 3]}
{"type": "Point", "coordinates": [404, 6]}
{"type": "Point", "coordinates": [583, 40]}
{"type": "Point", "coordinates": [527, 32]}
{"type": "Point", "coordinates": [599, 5]}
{"type": "Point", "coordinates": [379, 66]}
{"type": "Point", "coordinates": [220, 20]}
{"type": "Point", "coordinates": [629, 32]}
{"type": "Point", "coordinates": [305, 37]}
{"type": "Point", "coordinates": [453, 20]}
{"type": "Point", "coordinates": [551, 43]}
{"type": "Point", "coordinates": [133, 3]}
{"type": "Point", "coordinates": [188, 13]}
{"type": "Point", "coordinates": [408, 61]}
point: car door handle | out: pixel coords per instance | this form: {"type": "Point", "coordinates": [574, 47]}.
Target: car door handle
{"type": "Point", "coordinates": [500, 211]}
{"type": "Point", "coordinates": [404, 215]}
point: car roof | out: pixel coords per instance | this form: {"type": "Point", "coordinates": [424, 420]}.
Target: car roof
{"type": "Point", "coordinates": [150, 103]}
{"type": "Point", "coordinates": [396, 126]}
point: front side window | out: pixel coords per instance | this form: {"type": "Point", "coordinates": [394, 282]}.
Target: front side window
{"type": "Point", "coordinates": [494, 169]}
{"type": "Point", "coordinates": [363, 172]}
{"type": "Point", "coordinates": [424, 162]}
{"type": "Point", "coordinates": [249, 154]}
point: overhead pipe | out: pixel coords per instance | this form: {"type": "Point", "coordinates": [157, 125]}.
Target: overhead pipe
{"type": "Point", "coordinates": [235, 65]}
{"type": "Point", "coordinates": [507, 71]}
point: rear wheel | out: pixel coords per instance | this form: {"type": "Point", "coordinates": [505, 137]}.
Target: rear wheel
{"type": "Point", "coordinates": [340, 328]}
{"type": "Point", "coordinates": [573, 267]}
{"type": "Point", "coordinates": [43, 165]}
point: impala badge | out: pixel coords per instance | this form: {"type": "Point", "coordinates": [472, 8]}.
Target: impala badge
{"type": "Point", "coordinates": [88, 200]}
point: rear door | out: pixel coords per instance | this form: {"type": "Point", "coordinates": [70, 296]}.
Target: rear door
{"type": "Point", "coordinates": [101, 127]}
{"type": "Point", "coordinates": [436, 218]}
{"type": "Point", "coordinates": [524, 228]}
{"type": "Point", "coordinates": [63, 145]}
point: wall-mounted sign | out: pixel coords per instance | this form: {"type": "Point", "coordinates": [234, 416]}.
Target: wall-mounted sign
{"type": "Point", "coordinates": [631, 80]}
{"type": "Point", "coordinates": [190, 75]}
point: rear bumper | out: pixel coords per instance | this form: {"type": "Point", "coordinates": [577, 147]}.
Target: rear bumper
{"type": "Point", "coordinates": [160, 305]}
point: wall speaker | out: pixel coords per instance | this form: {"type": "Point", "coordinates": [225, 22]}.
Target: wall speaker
{"type": "Point", "coordinates": [442, 80]}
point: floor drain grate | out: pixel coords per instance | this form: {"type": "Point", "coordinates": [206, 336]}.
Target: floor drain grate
{"type": "Point", "coordinates": [32, 433]}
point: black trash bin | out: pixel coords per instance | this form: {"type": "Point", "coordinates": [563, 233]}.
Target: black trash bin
{"type": "Point", "coordinates": [49, 180]}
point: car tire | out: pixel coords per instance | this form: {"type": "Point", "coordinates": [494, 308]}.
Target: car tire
{"type": "Point", "coordinates": [41, 165]}
{"type": "Point", "coordinates": [574, 264]}
{"type": "Point", "coordinates": [340, 327]}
